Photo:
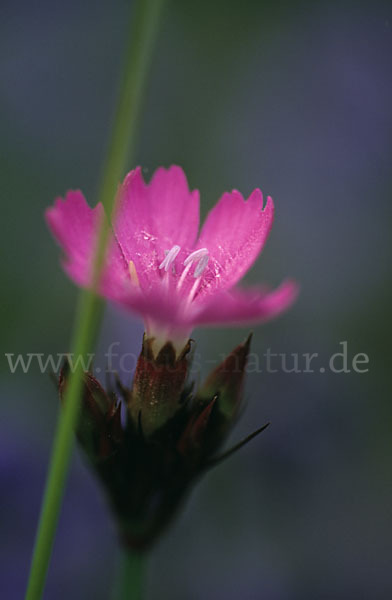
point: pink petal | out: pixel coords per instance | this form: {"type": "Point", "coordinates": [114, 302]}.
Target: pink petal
{"type": "Point", "coordinates": [75, 226]}
{"type": "Point", "coordinates": [162, 315]}
{"type": "Point", "coordinates": [151, 219]}
{"type": "Point", "coordinates": [238, 307]}
{"type": "Point", "coordinates": [234, 234]}
{"type": "Point", "coordinates": [150, 305]}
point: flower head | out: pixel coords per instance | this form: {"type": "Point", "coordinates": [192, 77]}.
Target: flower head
{"type": "Point", "coordinates": [149, 461]}
{"type": "Point", "coordinates": [159, 267]}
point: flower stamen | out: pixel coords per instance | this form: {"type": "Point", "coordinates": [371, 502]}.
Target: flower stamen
{"type": "Point", "coordinates": [170, 258]}
{"type": "Point", "coordinates": [196, 255]}
{"type": "Point", "coordinates": [201, 265]}
{"type": "Point", "coordinates": [202, 257]}
{"type": "Point", "coordinates": [133, 273]}
{"type": "Point", "coordinates": [183, 275]}
{"type": "Point", "coordinates": [193, 291]}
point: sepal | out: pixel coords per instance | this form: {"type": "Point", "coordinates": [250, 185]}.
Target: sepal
{"type": "Point", "coordinates": [99, 428]}
{"type": "Point", "coordinates": [158, 384]}
{"type": "Point", "coordinates": [227, 380]}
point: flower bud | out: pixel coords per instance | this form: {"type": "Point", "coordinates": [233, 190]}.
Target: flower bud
{"type": "Point", "coordinates": [225, 384]}
{"type": "Point", "coordinates": [226, 381]}
{"type": "Point", "coordinates": [99, 428]}
{"type": "Point", "coordinates": [191, 444]}
{"type": "Point", "coordinates": [149, 463]}
{"type": "Point", "coordinates": [157, 386]}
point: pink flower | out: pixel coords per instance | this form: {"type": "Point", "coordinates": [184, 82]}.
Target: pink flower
{"type": "Point", "coordinates": [156, 264]}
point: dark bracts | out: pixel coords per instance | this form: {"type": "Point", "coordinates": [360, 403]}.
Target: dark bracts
{"type": "Point", "coordinates": [170, 437]}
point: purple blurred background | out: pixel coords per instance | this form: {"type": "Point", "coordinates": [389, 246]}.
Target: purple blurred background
{"type": "Point", "coordinates": [294, 98]}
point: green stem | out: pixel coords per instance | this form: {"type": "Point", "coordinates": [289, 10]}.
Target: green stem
{"type": "Point", "coordinates": [138, 54]}
{"type": "Point", "coordinates": [132, 577]}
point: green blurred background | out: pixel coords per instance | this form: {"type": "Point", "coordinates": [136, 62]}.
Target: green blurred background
{"type": "Point", "coordinates": [292, 97]}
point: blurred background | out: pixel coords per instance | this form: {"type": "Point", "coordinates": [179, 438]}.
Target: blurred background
{"type": "Point", "coordinates": [292, 97]}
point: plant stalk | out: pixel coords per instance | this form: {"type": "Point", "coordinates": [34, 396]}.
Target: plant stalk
{"type": "Point", "coordinates": [142, 34]}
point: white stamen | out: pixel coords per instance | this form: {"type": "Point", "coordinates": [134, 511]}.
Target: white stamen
{"type": "Point", "coordinates": [193, 291]}
{"type": "Point", "coordinates": [195, 256]}
{"type": "Point", "coordinates": [201, 265]}
{"type": "Point", "coordinates": [183, 275]}
{"type": "Point", "coordinates": [200, 256]}
{"type": "Point", "coordinates": [170, 258]}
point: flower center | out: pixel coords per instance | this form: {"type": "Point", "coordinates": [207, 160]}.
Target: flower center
{"type": "Point", "coordinates": [199, 257]}
{"type": "Point", "coordinates": [202, 258]}
{"type": "Point", "coordinates": [170, 256]}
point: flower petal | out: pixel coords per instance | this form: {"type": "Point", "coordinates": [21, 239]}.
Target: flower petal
{"type": "Point", "coordinates": [151, 306]}
{"type": "Point", "coordinates": [151, 219]}
{"type": "Point", "coordinates": [75, 226]}
{"type": "Point", "coordinates": [238, 307]}
{"type": "Point", "coordinates": [234, 234]}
